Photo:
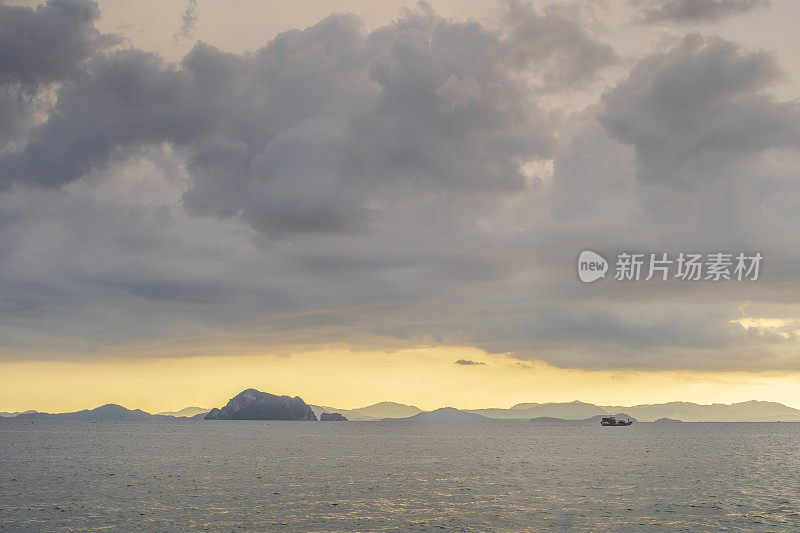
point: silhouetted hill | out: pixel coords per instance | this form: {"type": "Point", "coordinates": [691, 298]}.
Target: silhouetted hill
{"type": "Point", "coordinates": [668, 421]}
{"type": "Point", "coordinates": [752, 411]}
{"type": "Point", "coordinates": [443, 414]}
{"type": "Point", "coordinates": [188, 412]}
{"type": "Point", "coordinates": [525, 411]}
{"type": "Point", "coordinates": [377, 411]}
{"type": "Point", "coordinates": [11, 415]}
{"type": "Point", "coordinates": [109, 411]}
{"type": "Point", "coordinates": [251, 404]}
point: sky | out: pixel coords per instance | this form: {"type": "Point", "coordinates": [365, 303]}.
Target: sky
{"type": "Point", "coordinates": [352, 201]}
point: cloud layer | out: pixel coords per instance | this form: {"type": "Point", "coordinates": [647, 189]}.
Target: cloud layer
{"type": "Point", "coordinates": [423, 182]}
{"type": "Point", "coordinates": [694, 10]}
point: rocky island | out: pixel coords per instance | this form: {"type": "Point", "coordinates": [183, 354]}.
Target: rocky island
{"type": "Point", "coordinates": [332, 417]}
{"type": "Point", "coordinates": [251, 404]}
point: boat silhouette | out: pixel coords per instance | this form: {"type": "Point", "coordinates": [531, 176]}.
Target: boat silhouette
{"type": "Point", "coordinates": [612, 421]}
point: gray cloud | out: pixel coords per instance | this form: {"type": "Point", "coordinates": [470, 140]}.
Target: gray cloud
{"type": "Point", "coordinates": [122, 101]}
{"type": "Point", "coordinates": [713, 94]}
{"type": "Point", "coordinates": [189, 19]}
{"type": "Point", "coordinates": [694, 10]}
{"type": "Point", "coordinates": [392, 107]}
{"type": "Point", "coordinates": [38, 48]}
{"type": "Point", "coordinates": [468, 362]}
{"type": "Point", "coordinates": [45, 44]}
{"type": "Point", "coordinates": [704, 127]}
{"type": "Point", "coordinates": [564, 52]}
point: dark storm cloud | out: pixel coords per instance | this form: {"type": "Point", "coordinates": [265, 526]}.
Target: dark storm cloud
{"type": "Point", "coordinates": [701, 106]}
{"type": "Point", "coordinates": [319, 129]}
{"type": "Point", "coordinates": [45, 44]}
{"type": "Point", "coordinates": [39, 47]}
{"type": "Point", "coordinates": [120, 102]}
{"type": "Point", "coordinates": [694, 10]}
{"type": "Point", "coordinates": [468, 362]}
{"type": "Point", "coordinates": [713, 147]}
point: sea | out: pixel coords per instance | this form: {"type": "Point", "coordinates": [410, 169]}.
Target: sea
{"type": "Point", "coordinates": [194, 475]}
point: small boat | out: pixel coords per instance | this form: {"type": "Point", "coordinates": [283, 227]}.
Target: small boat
{"type": "Point", "coordinates": [612, 421]}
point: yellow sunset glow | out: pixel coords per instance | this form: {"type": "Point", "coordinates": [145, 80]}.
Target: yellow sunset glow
{"type": "Point", "coordinates": [427, 377]}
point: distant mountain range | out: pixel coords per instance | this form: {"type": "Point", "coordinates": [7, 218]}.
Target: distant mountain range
{"type": "Point", "coordinates": [525, 411]}
{"type": "Point", "coordinates": [187, 412]}
{"type": "Point", "coordinates": [9, 415]}
{"type": "Point", "coordinates": [107, 411]}
{"type": "Point", "coordinates": [443, 414]}
{"type": "Point", "coordinates": [377, 411]}
{"type": "Point", "coordinates": [751, 411]}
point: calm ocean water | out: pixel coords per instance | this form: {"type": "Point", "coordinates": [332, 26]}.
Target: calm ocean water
{"type": "Point", "coordinates": [361, 476]}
